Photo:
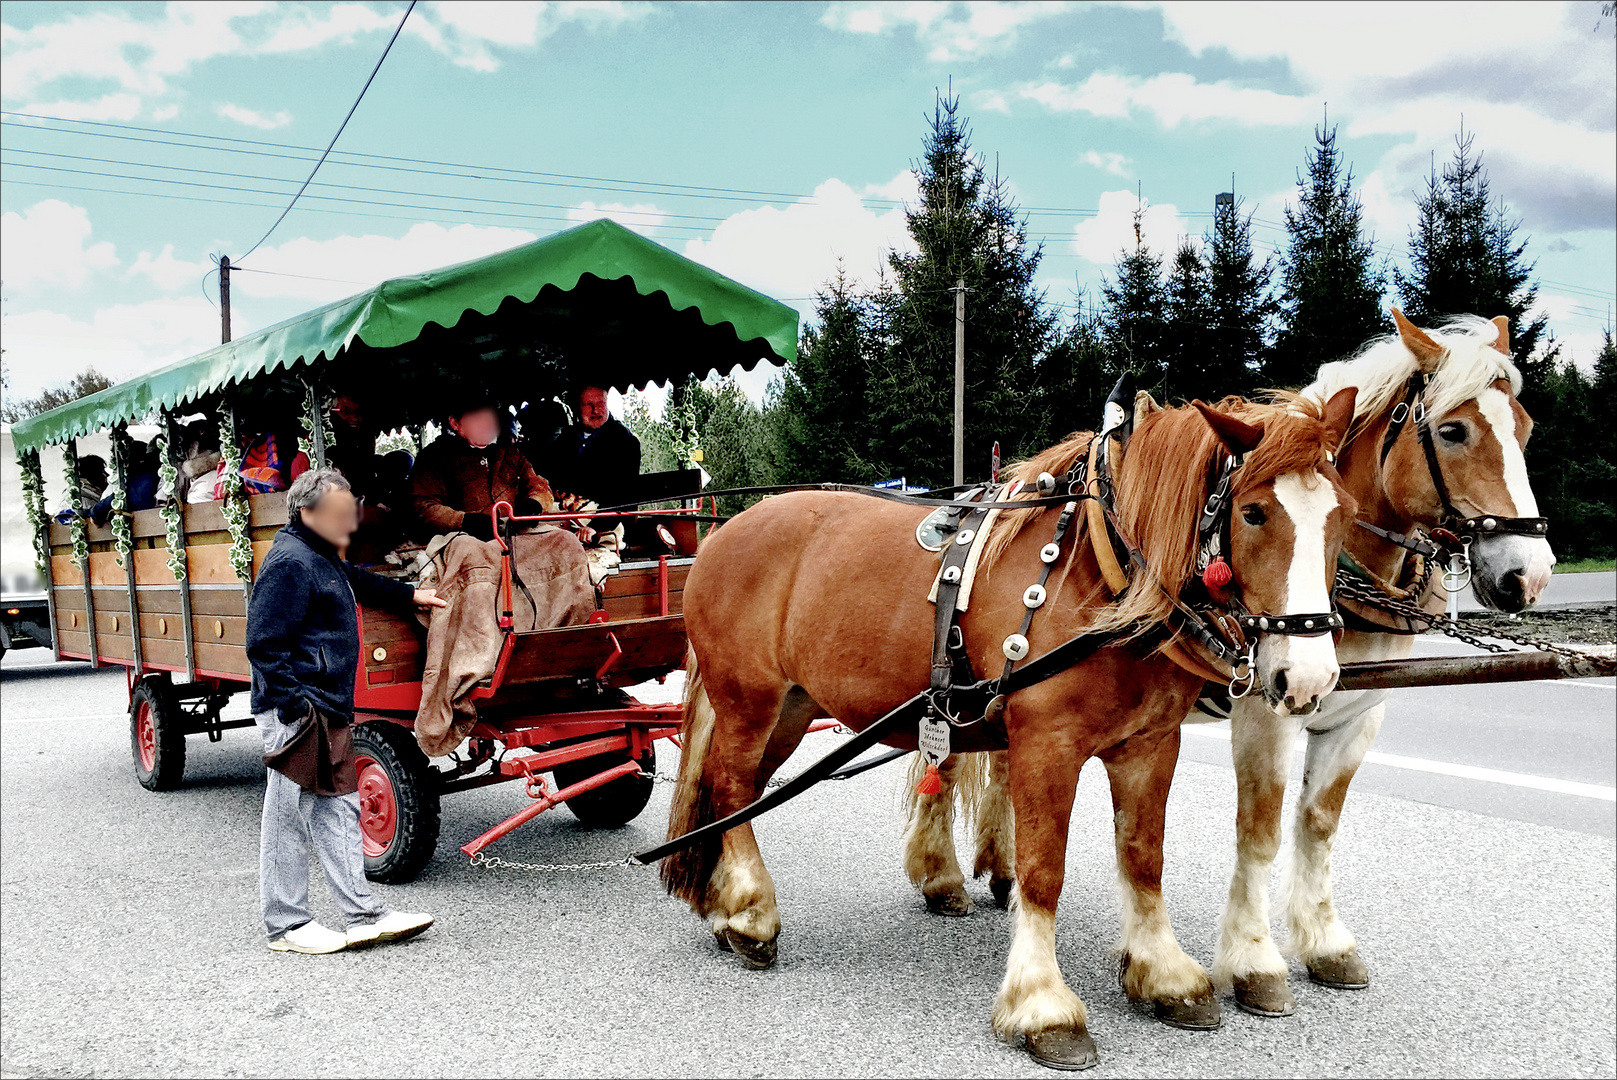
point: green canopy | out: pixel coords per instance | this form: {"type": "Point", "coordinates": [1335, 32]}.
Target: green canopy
{"type": "Point", "coordinates": [597, 303]}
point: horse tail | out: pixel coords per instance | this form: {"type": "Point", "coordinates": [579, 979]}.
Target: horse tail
{"type": "Point", "coordinates": [970, 779]}
{"type": "Point", "coordinates": [686, 873]}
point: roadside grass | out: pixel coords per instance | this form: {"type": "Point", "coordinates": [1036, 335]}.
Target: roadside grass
{"type": "Point", "coordinates": [1584, 566]}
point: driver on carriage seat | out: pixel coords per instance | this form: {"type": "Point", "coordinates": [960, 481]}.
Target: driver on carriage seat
{"type": "Point", "coordinates": [463, 473]}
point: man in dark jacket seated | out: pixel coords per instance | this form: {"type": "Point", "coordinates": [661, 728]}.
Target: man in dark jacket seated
{"type": "Point", "coordinates": [303, 646]}
{"type": "Point", "coordinates": [597, 458]}
{"type": "Point", "coordinates": [461, 475]}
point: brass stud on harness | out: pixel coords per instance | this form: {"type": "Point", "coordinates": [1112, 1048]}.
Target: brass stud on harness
{"type": "Point", "coordinates": [1034, 596]}
{"type": "Point", "coordinates": [1263, 624]}
{"type": "Point", "coordinates": [1015, 647]}
{"type": "Point", "coordinates": [1046, 484]}
{"type": "Point", "coordinates": [1490, 524]}
{"type": "Point", "coordinates": [951, 574]}
{"type": "Point", "coordinates": [966, 536]}
{"type": "Point", "coordinates": [1049, 553]}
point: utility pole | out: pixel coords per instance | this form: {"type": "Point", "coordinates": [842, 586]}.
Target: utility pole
{"type": "Point", "coordinates": [959, 291]}
{"type": "Point", "coordinates": [224, 298]}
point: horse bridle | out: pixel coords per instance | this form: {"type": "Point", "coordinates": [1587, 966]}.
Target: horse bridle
{"type": "Point", "coordinates": [1454, 533]}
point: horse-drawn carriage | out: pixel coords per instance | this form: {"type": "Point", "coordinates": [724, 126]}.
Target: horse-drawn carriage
{"type": "Point", "coordinates": [163, 592]}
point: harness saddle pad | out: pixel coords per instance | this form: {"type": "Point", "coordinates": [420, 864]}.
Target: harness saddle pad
{"type": "Point", "coordinates": [968, 573]}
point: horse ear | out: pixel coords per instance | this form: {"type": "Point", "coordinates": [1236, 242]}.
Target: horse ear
{"type": "Point", "coordinates": [1238, 436]}
{"type": "Point", "coordinates": [1428, 353]}
{"type": "Point", "coordinates": [1144, 406]}
{"type": "Point", "coordinates": [1502, 342]}
{"type": "Point", "coordinates": [1339, 414]}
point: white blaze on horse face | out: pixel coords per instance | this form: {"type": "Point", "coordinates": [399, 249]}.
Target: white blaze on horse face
{"type": "Point", "coordinates": [1529, 555]}
{"type": "Point", "coordinates": [1309, 663]}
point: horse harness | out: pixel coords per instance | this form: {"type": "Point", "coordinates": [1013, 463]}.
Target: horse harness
{"type": "Point", "coordinates": [1449, 542]}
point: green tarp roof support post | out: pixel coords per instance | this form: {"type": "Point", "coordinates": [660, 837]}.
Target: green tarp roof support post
{"type": "Point", "coordinates": [670, 300]}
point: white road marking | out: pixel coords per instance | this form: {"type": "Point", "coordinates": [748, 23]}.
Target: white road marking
{"type": "Point", "coordinates": [9, 720]}
{"type": "Point", "coordinates": [1445, 768]}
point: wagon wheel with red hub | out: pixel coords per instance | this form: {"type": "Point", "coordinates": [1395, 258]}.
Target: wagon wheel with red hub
{"type": "Point", "coordinates": [398, 802]}
{"type": "Point", "coordinates": [157, 734]}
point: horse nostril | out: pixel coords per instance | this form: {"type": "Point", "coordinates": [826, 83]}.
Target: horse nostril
{"type": "Point", "coordinates": [1280, 683]}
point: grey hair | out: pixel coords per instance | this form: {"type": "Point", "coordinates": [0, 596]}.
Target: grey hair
{"type": "Point", "coordinates": [308, 489]}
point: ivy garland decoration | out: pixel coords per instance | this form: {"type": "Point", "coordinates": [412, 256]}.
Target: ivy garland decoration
{"type": "Point", "coordinates": [78, 524]}
{"type": "Point", "coordinates": [235, 504]}
{"type": "Point", "coordinates": [33, 498]}
{"type": "Point", "coordinates": [123, 535]}
{"type": "Point", "coordinates": [314, 400]}
{"type": "Point", "coordinates": [173, 514]}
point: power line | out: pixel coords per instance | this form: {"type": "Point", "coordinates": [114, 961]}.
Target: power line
{"type": "Point", "coordinates": [351, 109]}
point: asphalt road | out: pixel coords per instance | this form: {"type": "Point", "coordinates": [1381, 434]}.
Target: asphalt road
{"type": "Point", "coordinates": [129, 942]}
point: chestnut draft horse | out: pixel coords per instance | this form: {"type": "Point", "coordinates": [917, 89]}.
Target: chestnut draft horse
{"type": "Point", "coordinates": [1464, 473]}
{"type": "Point", "coordinates": [815, 604]}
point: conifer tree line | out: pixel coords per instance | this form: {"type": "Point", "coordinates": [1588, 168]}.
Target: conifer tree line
{"type": "Point", "coordinates": [871, 394]}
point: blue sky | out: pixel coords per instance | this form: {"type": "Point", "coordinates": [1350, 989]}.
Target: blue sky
{"type": "Point", "coordinates": [766, 140]}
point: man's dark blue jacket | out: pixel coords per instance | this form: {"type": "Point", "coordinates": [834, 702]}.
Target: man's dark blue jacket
{"type": "Point", "coordinates": [302, 631]}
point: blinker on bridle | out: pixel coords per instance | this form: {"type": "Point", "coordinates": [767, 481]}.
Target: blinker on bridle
{"type": "Point", "coordinates": [1455, 533]}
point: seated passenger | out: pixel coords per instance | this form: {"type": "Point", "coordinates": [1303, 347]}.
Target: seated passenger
{"type": "Point", "coordinates": [351, 446]}
{"type": "Point", "coordinates": [459, 477]}
{"type": "Point", "coordinates": [271, 462]}
{"type": "Point", "coordinates": [540, 425]}
{"type": "Point", "coordinates": [142, 468]}
{"type": "Point", "coordinates": [597, 458]}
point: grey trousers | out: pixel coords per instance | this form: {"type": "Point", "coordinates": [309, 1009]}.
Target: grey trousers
{"type": "Point", "coordinates": [293, 819]}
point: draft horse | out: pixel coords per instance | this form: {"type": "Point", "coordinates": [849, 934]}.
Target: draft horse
{"type": "Point", "coordinates": [815, 604]}
{"type": "Point", "coordinates": [1437, 446]}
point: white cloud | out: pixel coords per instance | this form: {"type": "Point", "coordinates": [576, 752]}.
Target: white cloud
{"type": "Point", "coordinates": [319, 271]}
{"type": "Point", "coordinates": [165, 113]}
{"type": "Point", "coordinates": [142, 55]}
{"type": "Point", "coordinates": [991, 101]}
{"type": "Point", "coordinates": [791, 252]}
{"type": "Point", "coordinates": [167, 272]}
{"type": "Point", "coordinates": [45, 245]}
{"type": "Point", "coordinates": [1533, 81]}
{"type": "Point", "coordinates": [106, 107]}
{"type": "Point", "coordinates": [902, 188]}
{"type": "Point", "coordinates": [1111, 231]}
{"type": "Point", "coordinates": [254, 118]}
{"type": "Point", "coordinates": [641, 217]}
{"type": "Point", "coordinates": [948, 31]}
{"type": "Point", "coordinates": [45, 348]}
{"type": "Point", "coordinates": [1172, 98]}
{"type": "Point", "coordinates": [1109, 161]}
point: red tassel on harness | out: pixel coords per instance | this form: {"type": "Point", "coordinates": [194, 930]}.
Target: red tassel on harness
{"type": "Point", "coordinates": [931, 783]}
{"type": "Point", "coordinates": [1217, 575]}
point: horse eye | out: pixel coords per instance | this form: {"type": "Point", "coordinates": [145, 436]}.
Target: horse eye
{"type": "Point", "coordinates": [1253, 514]}
{"type": "Point", "coordinates": [1453, 432]}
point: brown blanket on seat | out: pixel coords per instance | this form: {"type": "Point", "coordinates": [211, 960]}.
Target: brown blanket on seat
{"type": "Point", "coordinates": [464, 639]}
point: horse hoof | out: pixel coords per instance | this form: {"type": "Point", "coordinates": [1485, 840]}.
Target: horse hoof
{"type": "Point", "coordinates": [1001, 888]}
{"type": "Point", "coordinates": [1063, 1048]}
{"type": "Point", "coordinates": [1345, 972]}
{"type": "Point", "coordinates": [1192, 1014]}
{"type": "Point", "coordinates": [1264, 994]}
{"type": "Point", "coordinates": [954, 904]}
{"type": "Point", "coordinates": [754, 953]}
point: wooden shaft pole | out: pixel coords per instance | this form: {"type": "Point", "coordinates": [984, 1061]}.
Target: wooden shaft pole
{"type": "Point", "coordinates": [1458, 670]}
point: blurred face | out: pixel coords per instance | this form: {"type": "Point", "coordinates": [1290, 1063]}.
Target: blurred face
{"type": "Point", "coordinates": [592, 407]}
{"type": "Point", "coordinates": [334, 518]}
{"type": "Point", "coordinates": [479, 427]}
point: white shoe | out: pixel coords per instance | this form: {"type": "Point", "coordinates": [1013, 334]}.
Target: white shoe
{"type": "Point", "coordinates": [394, 926]}
{"type": "Point", "coordinates": [311, 937]}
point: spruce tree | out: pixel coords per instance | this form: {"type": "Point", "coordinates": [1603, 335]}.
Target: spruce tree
{"type": "Point", "coordinates": [1074, 379]}
{"type": "Point", "coordinates": [1133, 320]}
{"type": "Point", "coordinates": [964, 227]}
{"type": "Point", "coordinates": [1242, 308]}
{"type": "Point", "coordinates": [1465, 260]}
{"type": "Point", "coordinates": [822, 415]}
{"type": "Point", "coordinates": [1187, 346]}
{"type": "Point", "coordinates": [1331, 287]}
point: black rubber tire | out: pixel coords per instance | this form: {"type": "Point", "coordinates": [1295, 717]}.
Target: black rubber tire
{"type": "Point", "coordinates": [609, 806]}
{"type": "Point", "coordinates": [415, 798]}
{"type": "Point", "coordinates": [168, 765]}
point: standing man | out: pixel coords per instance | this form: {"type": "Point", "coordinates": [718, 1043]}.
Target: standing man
{"type": "Point", "coordinates": [598, 458]}
{"type": "Point", "coordinates": [303, 644]}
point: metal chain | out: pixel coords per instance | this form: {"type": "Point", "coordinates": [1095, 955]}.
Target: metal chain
{"type": "Point", "coordinates": [494, 862]}
{"type": "Point", "coordinates": [1366, 593]}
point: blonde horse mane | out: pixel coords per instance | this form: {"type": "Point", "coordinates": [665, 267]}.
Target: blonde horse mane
{"type": "Point", "coordinates": [1170, 468]}
{"type": "Point", "coordinates": [1380, 370]}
